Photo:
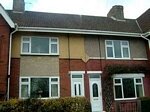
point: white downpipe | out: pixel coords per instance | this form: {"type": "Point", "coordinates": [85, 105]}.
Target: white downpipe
{"type": "Point", "coordinates": [9, 60]}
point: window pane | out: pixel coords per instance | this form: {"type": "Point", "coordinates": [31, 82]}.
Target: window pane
{"type": "Point", "coordinates": [24, 90]}
{"type": "Point", "coordinates": [95, 90]}
{"type": "Point", "coordinates": [118, 92]}
{"type": "Point", "coordinates": [117, 49]}
{"type": "Point", "coordinates": [40, 45]}
{"type": "Point", "coordinates": [39, 87]}
{"type": "Point", "coordinates": [53, 48]}
{"type": "Point", "coordinates": [54, 79]}
{"type": "Point", "coordinates": [54, 90]}
{"type": "Point", "coordinates": [25, 47]}
{"type": "Point", "coordinates": [125, 52]}
{"type": "Point", "coordinates": [24, 80]}
{"type": "Point", "coordinates": [109, 42]}
{"type": "Point", "coordinates": [109, 52]}
{"type": "Point", "coordinates": [54, 40]}
{"type": "Point", "coordinates": [138, 81]}
{"type": "Point", "coordinates": [26, 39]}
{"type": "Point", "coordinates": [124, 43]}
{"type": "Point", "coordinates": [128, 88]}
{"type": "Point", "coordinates": [117, 81]}
{"type": "Point", "coordinates": [139, 90]}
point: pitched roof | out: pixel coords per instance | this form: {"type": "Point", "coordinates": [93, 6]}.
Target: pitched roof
{"type": "Point", "coordinates": [144, 21]}
{"type": "Point", "coordinates": [68, 21]}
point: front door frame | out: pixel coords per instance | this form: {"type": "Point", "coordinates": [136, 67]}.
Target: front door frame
{"type": "Point", "coordinates": [96, 79]}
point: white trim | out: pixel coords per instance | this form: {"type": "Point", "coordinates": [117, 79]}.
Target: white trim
{"type": "Point", "coordinates": [77, 31]}
{"type": "Point", "coordinates": [128, 75]}
{"type": "Point", "coordinates": [97, 58]}
{"type": "Point", "coordinates": [94, 72]}
{"type": "Point", "coordinates": [6, 17]}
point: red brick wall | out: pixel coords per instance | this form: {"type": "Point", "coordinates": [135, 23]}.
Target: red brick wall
{"type": "Point", "coordinates": [67, 65]}
{"type": "Point", "coordinates": [147, 85]}
{"type": "Point", "coordinates": [4, 50]}
{"type": "Point", "coordinates": [14, 78]}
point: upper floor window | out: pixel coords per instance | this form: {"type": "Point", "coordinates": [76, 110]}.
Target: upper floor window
{"type": "Point", "coordinates": [40, 45]}
{"type": "Point", "coordinates": [117, 49]}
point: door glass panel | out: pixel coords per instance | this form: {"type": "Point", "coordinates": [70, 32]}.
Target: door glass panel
{"type": "Point", "coordinates": [79, 89]}
{"type": "Point", "coordinates": [94, 75]}
{"type": "Point", "coordinates": [95, 90]}
{"type": "Point", "coordinates": [75, 89]}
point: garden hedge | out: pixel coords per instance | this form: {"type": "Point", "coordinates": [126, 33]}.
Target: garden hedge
{"type": "Point", "coordinates": [68, 104]}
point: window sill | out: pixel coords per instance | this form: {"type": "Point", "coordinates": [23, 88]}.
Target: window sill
{"type": "Point", "coordinates": [42, 98]}
{"type": "Point", "coordinates": [36, 54]}
{"type": "Point", "coordinates": [118, 58]}
{"type": "Point", "coordinates": [124, 99]}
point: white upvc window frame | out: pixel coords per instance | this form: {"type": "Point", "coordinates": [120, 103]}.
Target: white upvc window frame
{"type": "Point", "coordinates": [113, 49]}
{"type": "Point", "coordinates": [29, 86]}
{"type": "Point", "coordinates": [77, 81]}
{"type": "Point", "coordinates": [30, 44]}
{"type": "Point", "coordinates": [132, 76]}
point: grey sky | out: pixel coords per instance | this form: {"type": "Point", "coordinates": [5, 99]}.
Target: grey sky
{"type": "Point", "coordinates": [132, 8]}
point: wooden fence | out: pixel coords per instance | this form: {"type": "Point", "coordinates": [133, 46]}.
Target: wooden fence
{"type": "Point", "coordinates": [128, 106]}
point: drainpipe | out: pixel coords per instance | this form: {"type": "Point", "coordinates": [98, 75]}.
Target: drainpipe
{"type": "Point", "coordinates": [9, 60]}
{"type": "Point", "coordinates": [144, 37]}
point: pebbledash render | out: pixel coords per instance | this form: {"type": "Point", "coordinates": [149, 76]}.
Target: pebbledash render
{"type": "Point", "coordinates": [105, 59]}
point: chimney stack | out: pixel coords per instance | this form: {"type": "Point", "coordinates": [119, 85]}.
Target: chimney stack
{"type": "Point", "coordinates": [18, 6]}
{"type": "Point", "coordinates": [116, 12]}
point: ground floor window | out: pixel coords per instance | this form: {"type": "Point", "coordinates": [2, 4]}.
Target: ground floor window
{"type": "Point", "coordinates": [39, 87]}
{"type": "Point", "coordinates": [128, 87]}
{"type": "Point", "coordinates": [77, 83]}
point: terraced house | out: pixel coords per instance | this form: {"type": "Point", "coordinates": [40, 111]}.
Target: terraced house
{"type": "Point", "coordinates": [105, 59]}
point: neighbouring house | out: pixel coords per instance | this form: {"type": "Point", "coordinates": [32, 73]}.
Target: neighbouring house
{"type": "Point", "coordinates": [105, 59]}
{"type": "Point", "coordinates": [6, 27]}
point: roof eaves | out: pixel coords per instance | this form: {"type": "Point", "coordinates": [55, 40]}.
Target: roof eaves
{"type": "Point", "coordinates": [6, 17]}
{"type": "Point", "coordinates": [77, 31]}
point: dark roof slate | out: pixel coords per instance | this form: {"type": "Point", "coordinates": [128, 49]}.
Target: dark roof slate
{"type": "Point", "coordinates": [68, 21]}
{"type": "Point", "coordinates": [144, 21]}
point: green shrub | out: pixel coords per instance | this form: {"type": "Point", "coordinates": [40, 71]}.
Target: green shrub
{"type": "Point", "coordinates": [145, 104]}
{"type": "Point", "coordinates": [68, 104]}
